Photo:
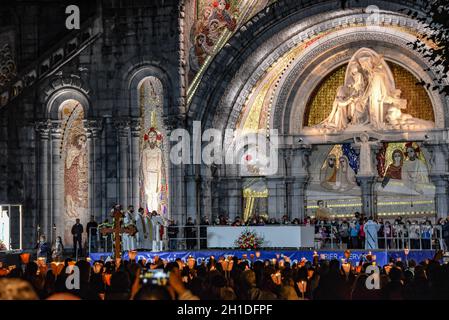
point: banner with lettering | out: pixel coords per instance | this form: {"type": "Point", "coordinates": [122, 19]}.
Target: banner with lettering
{"type": "Point", "coordinates": [381, 257]}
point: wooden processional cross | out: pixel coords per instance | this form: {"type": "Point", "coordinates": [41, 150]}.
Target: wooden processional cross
{"type": "Point", "coordinates": [117, 230]}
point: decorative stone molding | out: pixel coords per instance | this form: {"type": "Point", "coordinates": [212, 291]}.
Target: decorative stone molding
{"type": "Point", "coordinates": [234, 86]}
{"type": "Point", "coordinates": [63, 88]}
{"type": "Point", "coordinates": [134, 72]}
{"type": "Point", "coordinates": [65, 81]}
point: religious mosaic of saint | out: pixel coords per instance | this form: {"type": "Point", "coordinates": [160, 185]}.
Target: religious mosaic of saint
{"type": "Point", "coordinates": [75, 160]}
{"type": "Point", "coordinates": [369, 99]}
{"type": "Point", "coordinates": [153, 178]}
{"type": "Point", "coordinates": [405, 164]}
{"type": "Point", "coordinates": [151, 169]}
{"type": "Point", "coordinates": [215, 18]}
{"type": "Point", "coordinates": [337, 174]}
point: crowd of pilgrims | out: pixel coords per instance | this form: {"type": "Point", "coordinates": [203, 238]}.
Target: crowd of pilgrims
{"type": "Point", "coordinates": [230, 278]}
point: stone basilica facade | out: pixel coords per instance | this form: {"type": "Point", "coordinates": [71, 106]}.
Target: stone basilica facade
{"type": "Point", "coordinates": [86, 115]}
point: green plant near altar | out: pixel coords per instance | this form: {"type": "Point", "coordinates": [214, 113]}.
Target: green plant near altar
{"type": "Point", "coordinates": [249, 239]}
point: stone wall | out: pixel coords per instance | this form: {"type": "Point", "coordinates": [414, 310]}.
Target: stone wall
{"type": "Point", "coordinates": [134, 34]}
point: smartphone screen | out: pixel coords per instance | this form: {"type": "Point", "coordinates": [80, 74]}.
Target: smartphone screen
{"type": "Point", "coordinates": [156, 277]}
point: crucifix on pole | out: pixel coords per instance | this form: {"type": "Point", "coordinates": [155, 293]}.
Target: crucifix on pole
{"type": "Point", "coordinates": [117, 230]}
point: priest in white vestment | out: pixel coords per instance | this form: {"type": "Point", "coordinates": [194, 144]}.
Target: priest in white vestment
{"type": "Point", "coordinates": [129, 241]}
{"type": "Point", "coordinates": [157, 223]}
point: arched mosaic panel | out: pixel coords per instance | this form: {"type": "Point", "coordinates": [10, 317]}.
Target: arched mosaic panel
{"type": "Point", "coordinates": [153, 162]}
{"type": "Point", "coordinates": [75, 167]}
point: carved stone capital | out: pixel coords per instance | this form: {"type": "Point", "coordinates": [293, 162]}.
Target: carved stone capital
{"type": "Point", "coordinates": [93, 127]}
{"type": "Point", "coordinates": [136, 127]}
{"type": "Point", "coordinates": [56, 129]}
{"type": "Point", "coordinates": [172, 122]}
{"type": "Point", "coordinates": [123, 126]}
{"type": "Point", "coordinates": [43, 128]}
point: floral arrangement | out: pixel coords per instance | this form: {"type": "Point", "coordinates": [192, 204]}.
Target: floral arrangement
{"type": "Point", "coordinates": [2, 246]}
{"type": "Point", "coordinates": [249, 240]}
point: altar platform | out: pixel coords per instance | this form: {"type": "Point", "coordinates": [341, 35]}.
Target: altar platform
{"type": "Point", "coordinates": [381, 256]}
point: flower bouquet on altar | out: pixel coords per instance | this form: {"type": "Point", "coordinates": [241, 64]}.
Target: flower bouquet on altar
{"type": "Point", "coordinates": [249, 239]}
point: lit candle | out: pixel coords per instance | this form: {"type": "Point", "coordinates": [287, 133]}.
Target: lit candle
{"type": "Point", "coordinates": [346, 268]}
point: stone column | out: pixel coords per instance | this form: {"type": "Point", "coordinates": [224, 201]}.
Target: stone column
{"type": "Point", "coordinates": [235, 197]}
{"type": "Point", "coordinates": [135, 163]}
{"type": "Point", "coordinates": [276, 197]}
{"type": "Point", "coordinates": [438, 174]}
{"type": "Point", "coordinates": [216, 191]}
{"type": "Point", "coordinates": [298, 195]}
{"type": "Point", "coordinates": [177, 193]}
{"type": "Point", "coordinates": [176, 175]}
{"type": "Point", "coordinates": [93, 129]}
{"type": "Point", "coordinates": [43, 129]}
{"type": "Point", "coordinates": [299, 171]}
{"type": "Point", "coordinates": [90, 171]}
{"type": "Point", "coordinates": [124, 148]}
{"type": "Point", "coordinates": [110, 166]}
{"type": "Point", "coordinates": [191, 195]}
{"type": "Point", "coordinates": [367, 174]}
{"type": "Point", "coordinates": [57, 210]}
{"type": "Point", "coordinates": [369, 204]}
{"type": "Point", "coordinates": [206, 192]}
{"type": "Point", "coordinates": [441, 195]}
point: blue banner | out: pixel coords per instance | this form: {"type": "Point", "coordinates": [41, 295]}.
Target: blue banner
{"type": "Point", "coordinates": [382, 258]}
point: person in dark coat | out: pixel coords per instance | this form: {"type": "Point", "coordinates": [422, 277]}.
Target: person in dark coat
{"type": "Point", "coordinates": [43, 248]}
{"type": "Point", "coordinates": [91, 229]}
{"type": "Point", "coordinates": [172, 231]}
{"type": "Point", "coordinates": [77, 232]}
{"type": "Point", "coordinates": [203, 232]}
{"type": "Point", "coordinates": [190, 234]}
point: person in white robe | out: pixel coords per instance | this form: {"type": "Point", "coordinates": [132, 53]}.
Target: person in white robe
{"type": "Point", "coordinates": [129, 241]}
{"type": "Point", "coordinates": [157, 223]}
{"type": "Point", "coordinates": [371, 229]}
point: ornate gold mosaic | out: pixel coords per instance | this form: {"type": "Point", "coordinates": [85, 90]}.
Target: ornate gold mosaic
{"type": "Point", "coordinates": [320, 105]}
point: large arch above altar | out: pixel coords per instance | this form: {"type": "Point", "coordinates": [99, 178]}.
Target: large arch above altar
{"type": "Point", "coordinates": [339, 89]}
